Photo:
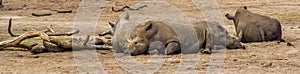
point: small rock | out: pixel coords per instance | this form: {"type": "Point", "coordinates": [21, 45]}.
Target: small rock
{"type": "Point", "coordinates": [10, 9]}
{"type": "Point", "coordinates": [98, 41]}
{"type": "Point", "coordinates": [269, 65]}
{"type": "Point", "coordinates": [20, 55]}
{"type": "Point", "coordinates": [289, 44]}
{"type": "Point", "coordinates": [253, 56]}
{"type": "Point", "coordinates": [35, 56]}
{"type": "Point", "coordinates": [103, 53]}
{"type": "Point", "coordinates": [234, 59]}
{"type": "Point", "coordinates": [102, 7]}
{"type": "Point", "coordinates": [24, 6]}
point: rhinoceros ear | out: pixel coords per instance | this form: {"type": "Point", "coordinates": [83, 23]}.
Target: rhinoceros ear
{"type": "Point", "coordinates": [149, 26]}
{"type": "Point", "coordinates": [229, 17]}
{"type": "Point", "coordinates": [112, 25]}
{"type": "Point", "coordinates": [245, 7]}
{"type": "Point", "coordinates": [126, 16]}
{"type": "Point", "coordinates": [123, 19]}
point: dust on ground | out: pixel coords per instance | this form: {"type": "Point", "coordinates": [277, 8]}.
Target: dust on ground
{"type": "Point", "coordinates": [260, 57]}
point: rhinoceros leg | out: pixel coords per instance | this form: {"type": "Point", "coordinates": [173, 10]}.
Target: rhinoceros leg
{"type": "Point", "coordinates": [280, 39]}
{"type": "Point", "coordinates": [207, 49]}
{"type": "Point", "coordinates": [172, 47]}
{"type": "Point", "coordinates": [156, 47]}
{"type": "Point", "coordinates": [261, 32]}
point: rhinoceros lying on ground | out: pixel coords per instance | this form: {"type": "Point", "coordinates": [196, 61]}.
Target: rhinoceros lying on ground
{"type": "Point", "coordinates": [252, 27]}
{"type": "Point", "coordinates": [150, 32]}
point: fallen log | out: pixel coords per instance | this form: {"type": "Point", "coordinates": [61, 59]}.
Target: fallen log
{"type": "Point", "coordinates": [55, 45]}
{"type": "Point", "coordinates": [16, 41]}
{"type": "Point", "coordinates": [51, 44]}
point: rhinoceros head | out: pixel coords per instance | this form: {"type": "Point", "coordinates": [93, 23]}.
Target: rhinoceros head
{"type": "Point", "coordinates": [138, 41]}
{"type": "Point", "coordinates": [234, 42]}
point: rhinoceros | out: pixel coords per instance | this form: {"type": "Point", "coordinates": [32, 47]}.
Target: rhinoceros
{"type": "Point", "coordinates": [149, 32]}
{"type": "Point", "coordinates": [1, 4]}
{"type": "Point", "coordinates": [252, 27]}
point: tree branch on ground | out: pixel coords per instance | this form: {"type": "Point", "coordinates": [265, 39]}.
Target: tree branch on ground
{"type": "Point", "coordinates": [9, 28]}
{"type": "Point", "coordinates": [50, 44]}
{"type": "Point", "coordinates": [49, 29]}
{"type": "Point", "coordinates": [127, 7]}
{"type": "Point", "coordinates": [16, 41]}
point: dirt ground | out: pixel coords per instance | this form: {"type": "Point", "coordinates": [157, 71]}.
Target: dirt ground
{"type": "Point", "coordinates": [258, 58]}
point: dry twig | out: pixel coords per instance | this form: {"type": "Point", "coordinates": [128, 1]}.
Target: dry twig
{"type": "Point", "coordinates": [127, 7]}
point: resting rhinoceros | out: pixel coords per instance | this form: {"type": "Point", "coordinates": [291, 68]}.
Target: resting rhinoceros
{"type": "Point", "coordinates": [252, 27]}
{"type": "Point", "coordinates": [1, 4]}
{"type": "Point", "coordinates": [150, 32]}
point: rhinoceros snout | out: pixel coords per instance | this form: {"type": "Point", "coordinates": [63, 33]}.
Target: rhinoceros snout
{"type": "Point", "coordinates": [128, 52]}
{"type": "Point", "coordinates": [243, 46]}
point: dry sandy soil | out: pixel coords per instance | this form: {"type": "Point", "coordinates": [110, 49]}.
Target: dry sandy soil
{"type": "Point", "coordinates": [258, 58]}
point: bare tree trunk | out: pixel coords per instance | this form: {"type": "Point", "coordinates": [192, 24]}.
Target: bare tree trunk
{"type": "Point", "coordinates": [16, 41]}
{"type": "Point", "coordinates": [55, 45]}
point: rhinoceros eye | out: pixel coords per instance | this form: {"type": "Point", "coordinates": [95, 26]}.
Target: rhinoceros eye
{"type": "Point", "coordinates": [142, 39]}
{"type": "Point", "coordinates": [136, 35]}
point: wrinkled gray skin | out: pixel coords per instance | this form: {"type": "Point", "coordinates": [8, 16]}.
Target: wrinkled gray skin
{"type": "Point", "coordinates": [150, 32]}
{"type": "Point", "coordinates": [156, 47]}
{"type": "Point", "coordinates": [141, 37]}
{"type": "Point", "coordinates": [252, 27]}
